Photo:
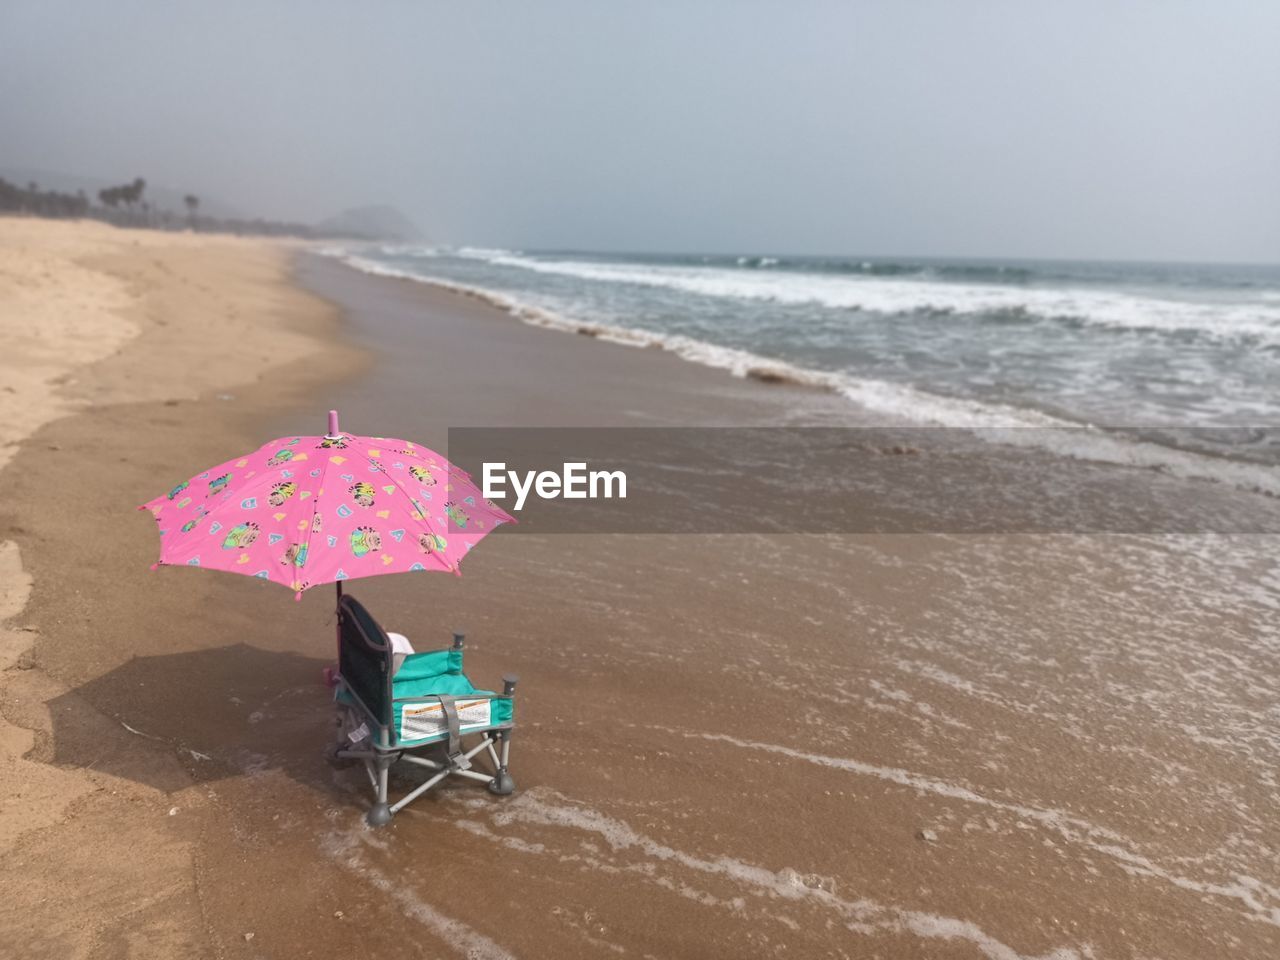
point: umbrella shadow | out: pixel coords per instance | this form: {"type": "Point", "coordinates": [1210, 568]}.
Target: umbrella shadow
{"type": "Point", "coordinates": [207, 715]}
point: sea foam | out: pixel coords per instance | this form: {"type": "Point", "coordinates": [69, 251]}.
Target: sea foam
{"type": "Point", "coordinates": [897, 404]}
{"type": "Point", "coordinates": [1255, 318]}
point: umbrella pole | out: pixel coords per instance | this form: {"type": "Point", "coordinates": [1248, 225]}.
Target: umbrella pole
{"type": "Point", "coordinates": [333, 435]}
{"type": "Point", "coordinates": [338, 617]}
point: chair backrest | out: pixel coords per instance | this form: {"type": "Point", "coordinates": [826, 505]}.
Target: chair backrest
{"type": "Point", "coordinates": [365, 658]}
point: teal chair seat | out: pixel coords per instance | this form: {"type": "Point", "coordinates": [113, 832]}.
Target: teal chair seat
{"type": "Point", "coordinates": [454, 684]}
{"type": "Point", "coordinates": [435, 673]}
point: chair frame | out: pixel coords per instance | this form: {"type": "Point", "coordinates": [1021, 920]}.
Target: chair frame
{"type": "Point", "coordinates": [363, 646]}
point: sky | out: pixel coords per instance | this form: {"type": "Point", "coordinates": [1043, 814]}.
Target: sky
{"type": "Point", "coordinates": [1096, 130]}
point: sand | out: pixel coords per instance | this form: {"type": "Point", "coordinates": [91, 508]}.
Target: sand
{"type": "Point", "coordinates": [728, 746]}
{"type": "Point", "coordinates": [97, 321]}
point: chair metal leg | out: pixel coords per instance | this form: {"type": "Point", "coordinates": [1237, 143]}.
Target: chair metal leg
{"type": "Point", "coordinates": [502, 785]}
{"type": "Point", "coordinates": [381, 813]}
{"type": "Point", "coordinates": [414, 794]}
{"type": "Point", "coordinates": [497, 744]}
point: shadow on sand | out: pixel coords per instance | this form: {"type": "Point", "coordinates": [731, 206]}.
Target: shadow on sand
{"type": "Point", "coordinates": [220, 713]}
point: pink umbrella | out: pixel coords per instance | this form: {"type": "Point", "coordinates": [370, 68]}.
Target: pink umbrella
{"type": "Point", "coordinates": [303, 511]}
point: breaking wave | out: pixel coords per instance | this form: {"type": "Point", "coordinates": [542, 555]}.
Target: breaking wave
{"type": "Point", "coordinates": [1255, 319]}
{"type": "Point", "coordinates": [897, 404]}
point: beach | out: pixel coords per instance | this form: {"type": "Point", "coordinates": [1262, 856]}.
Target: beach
{"type": "Point", "coordinates": [728, 745]}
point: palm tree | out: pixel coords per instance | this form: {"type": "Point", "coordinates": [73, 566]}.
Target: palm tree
{"type": "Point", "coordinates": [132, 192]}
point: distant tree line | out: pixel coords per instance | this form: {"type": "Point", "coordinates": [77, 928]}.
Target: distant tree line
{"type": "Point", "coordinates": [42, 203]}
{"type": "Point", "coordinates": [126, 205]}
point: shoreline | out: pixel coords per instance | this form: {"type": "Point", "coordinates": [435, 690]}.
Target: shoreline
{"type": "Point", "coordinates": [881, 403]}
{"type": "Point", "coordinates": [932, 743]}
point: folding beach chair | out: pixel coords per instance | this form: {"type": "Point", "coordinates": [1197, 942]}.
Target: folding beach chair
{"type": "Point", "coordinates": [428, 706]}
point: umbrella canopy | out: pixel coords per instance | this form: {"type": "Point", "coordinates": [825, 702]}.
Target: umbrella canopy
{"type": "Point", "coordinates": [303, 511]}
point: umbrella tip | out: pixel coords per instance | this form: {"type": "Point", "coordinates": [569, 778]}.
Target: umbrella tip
{"type": "Point", "coordinates": [155, 566]}
{"type": "Point", "coordinates": [297, 596]}
{"type": "Point", "coordinates": [333, 423]}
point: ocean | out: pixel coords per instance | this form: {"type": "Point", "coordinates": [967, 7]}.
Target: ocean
{"type": "Point", "coordinates": [1167, 365]}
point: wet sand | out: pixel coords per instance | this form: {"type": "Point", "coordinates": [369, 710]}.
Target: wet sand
{"type": "Point", "coordinates": [906, 746]}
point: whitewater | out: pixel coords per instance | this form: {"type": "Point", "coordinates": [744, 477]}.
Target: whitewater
{"type": "Point", "coordinates": [1102, 361]}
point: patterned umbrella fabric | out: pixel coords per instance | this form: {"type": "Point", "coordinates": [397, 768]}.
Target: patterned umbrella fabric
{"type": "Point", "coordinates": [303, 511]}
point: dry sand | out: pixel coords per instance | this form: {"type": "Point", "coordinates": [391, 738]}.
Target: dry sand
{"type": "Point", "coordinates": [728, 746]}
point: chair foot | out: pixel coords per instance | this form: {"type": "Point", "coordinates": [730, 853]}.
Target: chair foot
{"type": "Point", "coordinates": [379, 816]}
{"type": "Point", "coordinates": [331, 754]}
{"type": "Point", "coordinates": [502, 785]}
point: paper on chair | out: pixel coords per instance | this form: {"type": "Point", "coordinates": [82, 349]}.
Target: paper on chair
{"type": "Point", "coordinates": [420, 720]}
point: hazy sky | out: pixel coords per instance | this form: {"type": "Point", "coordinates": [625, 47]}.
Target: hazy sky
{"type": "Point", "coordinates": [1079, 129]}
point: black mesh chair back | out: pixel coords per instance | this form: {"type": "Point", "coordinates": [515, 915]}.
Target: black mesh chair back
{"type": "Point", "coordinates": [364, 658]}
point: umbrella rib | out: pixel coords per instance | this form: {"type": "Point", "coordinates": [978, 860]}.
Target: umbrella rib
{"type": "Point", "coordinates": [426, 519]}
{"type": "Point", "coordinates": [240, 495]}
{"type": "Point", "coordinates": [311, 526]}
